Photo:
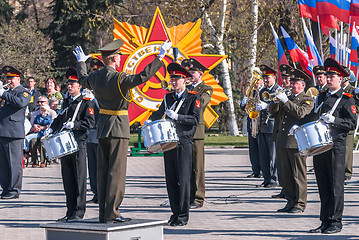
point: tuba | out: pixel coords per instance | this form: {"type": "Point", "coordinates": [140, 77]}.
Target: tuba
{"type": "Point", "coordinates": [166, 85]}
{"type": "Point", "coordinates": [253, 97]}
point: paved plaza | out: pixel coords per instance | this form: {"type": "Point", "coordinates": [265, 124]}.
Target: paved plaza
{"type": "Point", "coordinates": [235, 208]}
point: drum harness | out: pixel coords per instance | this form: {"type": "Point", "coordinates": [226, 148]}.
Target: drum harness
{"type": "Point", "coordinates": [74, 116]}
{"type": "Point", "coordinates": [177, 108]}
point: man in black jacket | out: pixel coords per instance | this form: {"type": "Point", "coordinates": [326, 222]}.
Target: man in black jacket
{"type": "Point", "coordinates": [73, 166]}
{"type": "Point", "coordinates": [178, 161]}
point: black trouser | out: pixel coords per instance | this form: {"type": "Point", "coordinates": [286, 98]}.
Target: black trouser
{"type": "Point", "coordinates": [178, 168]}
{"type": "Point", "coordinates": [73, 170]}
{"type": "Point", "coordinates": [330, 173]}
{"type": "Point", "coordinates": [91, 149]}
{"type": "Point", "coordinates": [254, 154]}
{"type": "Point", "coordinates": [11, 158]}
{"type": "Point", "coordinates": [267, 157]}
{"type": "Point", "coordinates": [111, 176]}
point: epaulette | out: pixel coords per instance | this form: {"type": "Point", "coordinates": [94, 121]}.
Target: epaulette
{"type": "Point", "coordinates": [192, 92]}
{"type": "Point", "coordinates": [348, 95]}
{"type": "Point", "coordinates": [86, 98]}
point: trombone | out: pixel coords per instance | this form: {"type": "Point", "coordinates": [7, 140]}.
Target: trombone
{"type": "Point", "coordinates": [267, 97]}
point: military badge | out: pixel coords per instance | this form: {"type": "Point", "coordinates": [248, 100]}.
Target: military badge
{"type": "Point", "coordinates": [307, 102]}
{"type": "Point", "coordinates": [25, 94]}
{"type": "Point", "coordinates": [208, 92]}
{"type": "Point", "coordinates": [91, 111]}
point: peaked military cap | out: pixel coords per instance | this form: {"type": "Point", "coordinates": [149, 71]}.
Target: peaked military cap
{"type": "Point", "coordinates": [299, 75]}
{"type": "Point", "coordinates": [71, 75]}
{"type": "Point", "coordinates": [285, 70]}
{"type": "Point", "coordinates": [11, 71]}
{"type": "Point", "coordinates": [266, 71]}
{"type": "Point", "coordinates": [111, 48]}
{"type": "Point", "coordinates": [176, 70]}
{"type": "Point", "coordinates": [96, 63]}
{"type": "Point", "coordinates": [333, 67]}
{"type": "Point", "coordinates": [351, 76]}
{"type": "Point", "coordinates": [319, 69]}
{"type": "Point", "coordinates": [193, 65]}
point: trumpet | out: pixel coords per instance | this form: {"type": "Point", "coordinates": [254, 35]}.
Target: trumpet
{"type": "Point", "coordinates": [166, 85]}
{"type": "Point", "coordinates": [267, 97]}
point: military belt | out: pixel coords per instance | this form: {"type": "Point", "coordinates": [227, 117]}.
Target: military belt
{"type": "Point", "coordinates": [114, 112]}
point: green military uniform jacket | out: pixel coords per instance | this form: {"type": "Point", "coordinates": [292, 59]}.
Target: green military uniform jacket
{"type": "Point", "coordinates": [289, 114]}
{"type": "Point", "coordinates": [106, 85]}
{"type": "Point", "coordinates": [205, 92]}
{"type": "Point", "coordinates": [323, 88]}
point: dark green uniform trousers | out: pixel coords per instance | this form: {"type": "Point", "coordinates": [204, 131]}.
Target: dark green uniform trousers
{"type": "Point", "coordinates": [349, 155]}
{"type": "Point", "coordinates": [111, 176]}
{"type": "Point", "coordinates": [293, 177]}
{"type": "Point", "coordinates": [198, 176]}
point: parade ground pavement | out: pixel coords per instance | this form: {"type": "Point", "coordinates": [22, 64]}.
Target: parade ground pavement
{"type": "Point", "coordinates": [235, 207]}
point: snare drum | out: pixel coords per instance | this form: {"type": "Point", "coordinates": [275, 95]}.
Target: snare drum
{"type": "Point", "coordinates": [313, 138]}
{"type": "Point", "coordinates": [60, 145]}
{"type": "Point", "coordinates": [159, 135]}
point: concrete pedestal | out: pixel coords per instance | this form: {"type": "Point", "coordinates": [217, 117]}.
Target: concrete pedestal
{"type": "Point", "coordinates": [91, 229]}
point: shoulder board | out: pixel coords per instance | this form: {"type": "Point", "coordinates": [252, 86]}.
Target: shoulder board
{"type": "Point", "coordinates": [192, 92]}
{"type": "Point", "coordinates": [348, 95]}
{"type": "Point", "coordinates": [86, 98]}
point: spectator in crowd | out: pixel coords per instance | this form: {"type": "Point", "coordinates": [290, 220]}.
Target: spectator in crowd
{"type": "Point", "coordinates": [51, 87]}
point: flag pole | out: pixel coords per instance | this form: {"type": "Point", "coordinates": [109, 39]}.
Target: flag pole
{"type": "Point", "coordinates": [320, 38]}
{"type": "Point", "coordinates": [341, 43]}
{"type": "Point", "coordinates": [347, 60]}
{"type": "Point", "coordinates": [337, 46]}
{"type": "Point", "coordinates": [310, 27]}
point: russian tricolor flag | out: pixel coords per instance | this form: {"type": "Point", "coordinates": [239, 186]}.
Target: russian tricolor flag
{"type": "Point", "coordinates": [338, 8]}
{"type": "Point", "coordinates": [333, 44]}
{"type": "Point", "coordinates": [354, 51]}
{"type": "Point", "coordinates": [354, 11]}
{"type": "Point", "coordinates": [312, 50]}
{"type": "Point", "coordinates": [297, 54]}
{"type": "Point", "coordinates": [282, 59]}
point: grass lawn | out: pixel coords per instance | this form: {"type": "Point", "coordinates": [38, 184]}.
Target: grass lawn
{"type": "Point", "coordinates": [211, 139]}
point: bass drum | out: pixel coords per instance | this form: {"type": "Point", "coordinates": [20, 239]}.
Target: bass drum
{"type": "Point", "coordinates": [313, 138]}
{"type": "Point", "coordinates": [159, 136]}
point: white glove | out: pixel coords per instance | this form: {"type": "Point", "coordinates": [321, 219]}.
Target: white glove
{"type": "Point", "coordinates": [69, 125]}
{"type": "Point", "coordinates": [147, 121]}
{"type": "Point", "coordinates": [2, 91]}
{"type": "Point", "coordinates": [282, 96]}
{"type": "Point", "coordinates": [291, 131]}
{"type": "Point", "coordinates": [261, 105]}
{"type": "Point", "coordinates": [47, 132]}
{"type": "Point", "coordinates": [356, 91]}
{"type": "Point", "coordinates": [164, 49]}
{"type": "Point", "coordinates": [328, 118]}
{"type": "Point", "coordinates": [244, 101]}
{"type": "Point", "coordinates": [80, 55]}
{"type": "Point", "coordinates": [171, 114]}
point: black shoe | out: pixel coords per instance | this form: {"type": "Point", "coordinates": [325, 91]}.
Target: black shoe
{"type": "Point", "coordinates": [319, 229]}
{"type": "Point", "coordinates": [285, 209]}
{"type": "Point", "coordinates": [63, 219]}
{"type": "Point", "coordinates": [179, 223]}
{"type": "Point", "coordinates": [270, 185]}
{"type": "Point", "coordinates": [120, 219]}
{"type": "Point", "coordinates": [74, 218]}
{"type": "Point", "coordinates": [280, 195]}
{"type": "Point", "coordinates": [295, 210]}
{"type": "Point", "coordinates": [332, 229]}
{"type": "Point", "coordinates": [10, 196]}
{"type": "Point", "coordinates": [195, 205]}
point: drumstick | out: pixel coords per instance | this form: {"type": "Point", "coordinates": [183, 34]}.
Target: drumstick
{"type": "Point", "coordinates": [164, 115]}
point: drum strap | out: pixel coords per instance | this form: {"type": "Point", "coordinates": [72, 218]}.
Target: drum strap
{"type": "Point", "coordinates": [76, 111]}
{"type": "Point", "coordinates": [179, 105]}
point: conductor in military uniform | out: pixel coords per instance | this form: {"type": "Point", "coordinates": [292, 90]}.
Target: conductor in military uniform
{"type": "Point", "coordinates": [73, 166]}
{"type": "Point", "coordinates": [196, 69]}
{"type": "Point", "coordinates": [290, 110]}
{"type": "Point", "coordinates": [12, 133]}
{"type": "Point", "coordinates": [265, 135]}
{"type": "Point", "coordinates": [111, 89]}
{"type": "Point", "coordinates": [178, 161]}
{"type": "Point", "coordinates": [337, 109]}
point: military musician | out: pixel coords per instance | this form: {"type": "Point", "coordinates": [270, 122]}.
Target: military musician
{"type": "Point", "coordinates": [13, 102]}
{"type": "Point", "coordinates": [337, 109]}
{"type": "Point", "coordinates": [184, 108]}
